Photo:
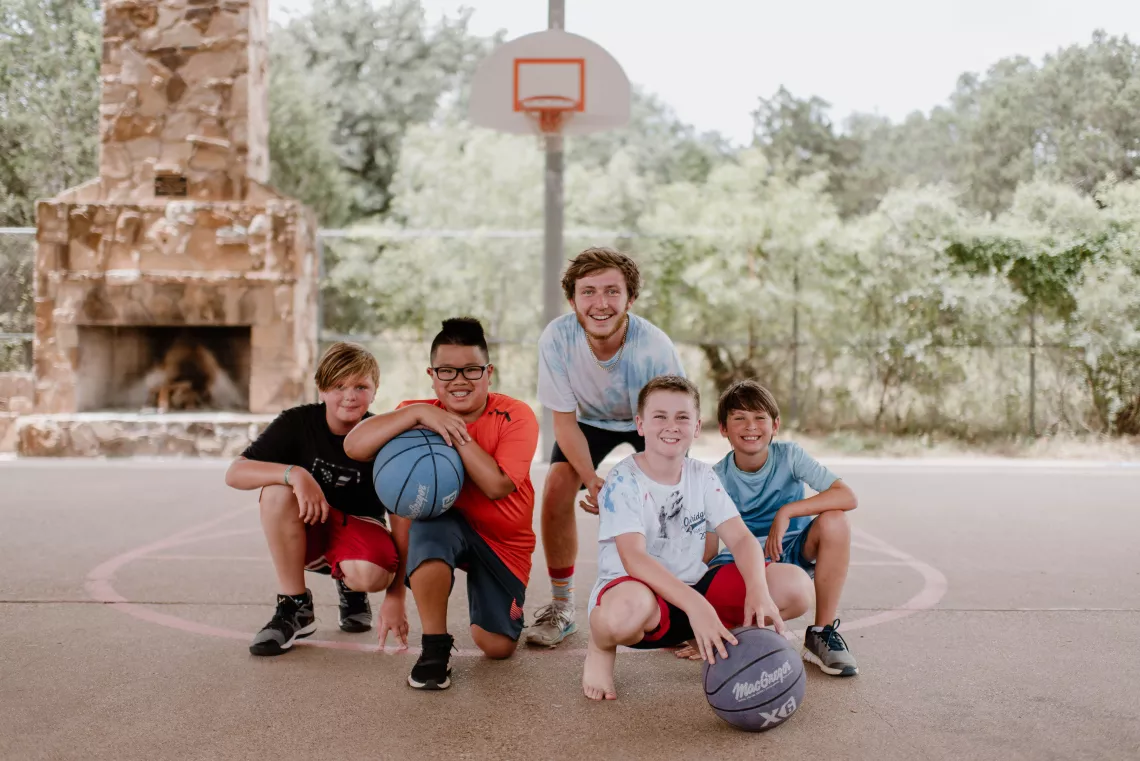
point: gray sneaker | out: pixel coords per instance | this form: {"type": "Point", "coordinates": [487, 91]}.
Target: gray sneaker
{"type": "Point", "coordinates": [292, 621]}
{"type": "Point", "coordinates": [828, 650]}
{"type": "Point", "coordinates": [355, 613]}
{"type": "Point", "coordinates": [552, 624]}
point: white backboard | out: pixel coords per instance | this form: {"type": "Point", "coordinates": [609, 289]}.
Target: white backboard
{"type": "Point", "coordinates": [551, 68]}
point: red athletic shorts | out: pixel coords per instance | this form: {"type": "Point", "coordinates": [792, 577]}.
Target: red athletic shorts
{"type": "Point", "coordinates": [722, 586]}
{"type": "Point", "coordinates": [348, 537]}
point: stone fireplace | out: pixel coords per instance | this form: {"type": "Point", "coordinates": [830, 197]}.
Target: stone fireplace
{"type": "Point", "coordinates": [177, 285]}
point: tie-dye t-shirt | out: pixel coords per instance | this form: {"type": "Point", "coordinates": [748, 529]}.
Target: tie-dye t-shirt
{"type": "Point", "coordinates": [569, 379]}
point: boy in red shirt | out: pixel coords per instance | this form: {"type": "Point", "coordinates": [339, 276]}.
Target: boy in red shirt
{"type": "Point", "coordinates": [488, 532]}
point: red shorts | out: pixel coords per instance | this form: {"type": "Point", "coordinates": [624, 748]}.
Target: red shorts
{"type": "Point", "coordinates": [348, 537]}
{"type": "Point", "coordinates": [722, 586]}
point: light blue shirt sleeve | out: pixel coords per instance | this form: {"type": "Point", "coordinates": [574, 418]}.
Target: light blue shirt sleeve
{"type": "Point", "coordinates": [554, 390]}
{"type": "Point", "coordinates": [807, 469]}
{"type": "Point", "coordinates": [621, 502]}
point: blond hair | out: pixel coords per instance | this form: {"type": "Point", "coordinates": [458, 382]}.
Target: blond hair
{"type": "Point", "coordinates": [344, 360]}
{"type": "Point", "coordinates": [674, 383]}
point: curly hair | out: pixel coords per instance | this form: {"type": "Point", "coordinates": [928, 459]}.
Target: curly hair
{"type": "Point", "coordinates": [596, 259]}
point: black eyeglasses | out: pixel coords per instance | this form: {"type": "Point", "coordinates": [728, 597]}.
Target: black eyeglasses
{"type": "Point", "coordinates": [471, 372]}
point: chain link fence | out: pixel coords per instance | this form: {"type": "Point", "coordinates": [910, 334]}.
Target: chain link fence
{"type": "Point", "coordinates": [978, 390]}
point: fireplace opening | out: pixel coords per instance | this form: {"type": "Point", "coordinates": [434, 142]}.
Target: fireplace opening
{"type": "Point", "coordinates": [163, 369]}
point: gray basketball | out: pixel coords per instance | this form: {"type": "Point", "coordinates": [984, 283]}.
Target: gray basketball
{"type": "Point", "coordinates": [761, 683]}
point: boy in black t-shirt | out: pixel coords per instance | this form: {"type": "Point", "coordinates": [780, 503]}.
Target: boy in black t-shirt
{"type": "Point", "coordinates": [319, 509]}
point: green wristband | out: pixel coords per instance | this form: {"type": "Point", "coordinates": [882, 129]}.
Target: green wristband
{"type": "Point", "coordinates": [287, 475]}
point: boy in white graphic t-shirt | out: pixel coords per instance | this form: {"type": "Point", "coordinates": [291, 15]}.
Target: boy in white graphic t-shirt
{"type": "Point", "coordinates": [658, 511]}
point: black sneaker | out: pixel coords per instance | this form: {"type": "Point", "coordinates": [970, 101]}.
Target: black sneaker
{"type": "Point", "coordinates": [433, 669]}
{"type": "Point", "coordinates": [293, 620]}
{"type": "Point", "coordinates": [355, 611]}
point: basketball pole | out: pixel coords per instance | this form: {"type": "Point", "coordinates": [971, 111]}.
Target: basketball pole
{"type": "Point", "coordinates": [553, 245]}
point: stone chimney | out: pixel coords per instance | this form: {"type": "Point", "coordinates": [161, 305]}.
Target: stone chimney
{"type": "Point", "coordinates": [185, 99]}
{"type": "Point", "coordinates": [176, 288]}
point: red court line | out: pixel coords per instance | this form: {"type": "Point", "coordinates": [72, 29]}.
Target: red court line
{"type": "Point", "coordinates": [99, 586]}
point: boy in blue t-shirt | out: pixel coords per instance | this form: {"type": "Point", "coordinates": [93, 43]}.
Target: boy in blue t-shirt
{"type": "Point", "coordinates": [765, 479]}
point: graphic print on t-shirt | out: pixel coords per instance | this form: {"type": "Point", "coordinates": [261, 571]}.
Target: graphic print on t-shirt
{"type": "Point", "coordinates": [333, 476]}
{"type": "Point", "coordinates": [669, 523]}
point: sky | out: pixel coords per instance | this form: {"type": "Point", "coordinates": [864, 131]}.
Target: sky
{"type": "Point", "coordinates": [710, 60]}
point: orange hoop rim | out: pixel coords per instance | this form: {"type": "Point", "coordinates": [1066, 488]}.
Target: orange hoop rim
{"type": "Point", "coordinates": [549, 115]}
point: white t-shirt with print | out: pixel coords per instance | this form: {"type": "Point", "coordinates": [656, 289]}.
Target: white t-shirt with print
{"type": "Point", "coordinates": [674, 519]}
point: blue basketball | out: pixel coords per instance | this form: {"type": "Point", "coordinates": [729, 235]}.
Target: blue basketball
{"type": "Point", "coordinates": [416, 475]}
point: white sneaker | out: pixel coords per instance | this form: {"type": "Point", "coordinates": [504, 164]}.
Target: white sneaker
{"type": "Point", "coordinates": [552, 624]}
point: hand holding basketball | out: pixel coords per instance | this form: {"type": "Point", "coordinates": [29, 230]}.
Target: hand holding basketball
{"type": "Point", "coordinates": [759, 605]}
{"type": "Point", "coordinates": [310, 499]}
{"type": "Point", "coordinates": [708, 632]}
{"type": "Point", "coordinates": [450, 426]}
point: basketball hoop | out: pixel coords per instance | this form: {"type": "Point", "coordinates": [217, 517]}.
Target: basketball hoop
{"type": "Point", "coordinates": [538, 85]}
{"type": "Point", "coordinates": [549, 111]}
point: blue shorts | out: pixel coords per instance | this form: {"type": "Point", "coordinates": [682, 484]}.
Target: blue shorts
{"type": "Point", "coordinates": [495, 596]}
{"type": "Point", "coordinates": [792, 552]}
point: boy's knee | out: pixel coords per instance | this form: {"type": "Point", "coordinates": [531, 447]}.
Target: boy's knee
{"type": "Point", "coordinates": [834, 525]}
{"type": "Point", "coordinates": [801, 597]}
{"type": "Point", "coordinates": [279, 500]}
{"type": "Point", "coordinates": [623, 618]}
{"type": "Point", "coordinates": [792, 589]}
{"type": "Point", "coordinates": [495, 646]}
{"type": "Point", "coordinates": [362, 576]}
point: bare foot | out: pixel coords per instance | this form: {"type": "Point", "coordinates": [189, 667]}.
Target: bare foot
{"type": "Point", "coordinates": [688, 651]}
{"type": "Point", "coordinates": [598, 673]}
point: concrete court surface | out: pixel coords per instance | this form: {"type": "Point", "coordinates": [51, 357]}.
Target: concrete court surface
{"type": "Point", "coordinates": [994, 609]}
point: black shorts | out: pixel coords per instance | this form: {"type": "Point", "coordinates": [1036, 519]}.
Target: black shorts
{"type": "Point", "coordinates": [495, 596]}
{"type": "Point", "coordinates": [602, 442]}
{"type": "Point", "coordinates": [722, 586]}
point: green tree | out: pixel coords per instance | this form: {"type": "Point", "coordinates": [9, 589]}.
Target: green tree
{"type": "Point", "coordinates": [1089, 97]}
{"type": "Point", "coordinates": [458, 177]}
{"type": "Point", "coordinates": [382, 69]}
{"type": "Point", "coordinates": [49, 101]}
{"type": "Point", "coordinates": [799, 139]}
{"type": "Point", "coordinates": [722, 272]}
{"type": "Point", "coordinates": [302, 155]}
{"type": "Point", "coordinates": [662, 147]}
{"type": "Point", "coordinates": [1069, 119]}
{"type": "Point", "coordinates": [1106, 320]}
{"type": "Point", "coordinates": [903, 310]}
{"type": "Point", "coordinates": [1040, 246]}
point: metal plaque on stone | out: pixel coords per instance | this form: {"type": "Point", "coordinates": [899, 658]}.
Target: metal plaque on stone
{"type": "Point", "coordinates": [170, 185]}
